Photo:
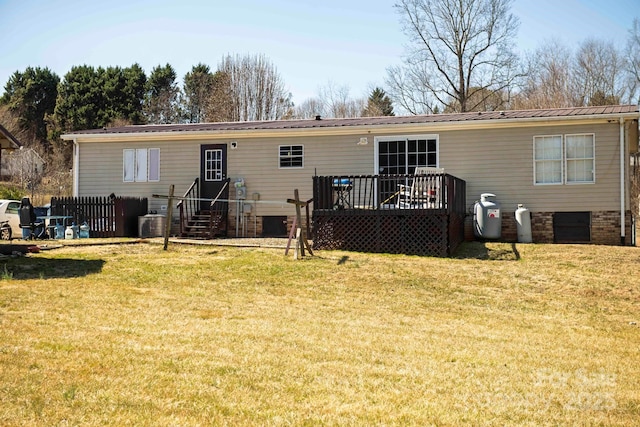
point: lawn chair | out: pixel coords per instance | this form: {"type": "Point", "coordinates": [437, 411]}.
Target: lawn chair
{"type": "Point", "coordinates": [424, 191]}
{"type": "Point", "coordinates": [28, 221]}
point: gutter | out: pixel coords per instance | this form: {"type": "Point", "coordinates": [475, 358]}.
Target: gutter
{"type": "Point", "coordinates": [351, 129]}
{"type": "Point", "coordinates": [76, 167]}
{"type": "Point", "coordinates": [622, 184]}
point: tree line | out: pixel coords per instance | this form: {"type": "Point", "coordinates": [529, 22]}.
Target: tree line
{"type": "Point", "coordinates": [460, 57]}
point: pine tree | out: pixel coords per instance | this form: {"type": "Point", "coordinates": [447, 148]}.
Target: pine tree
{"type": "Point", "coordinates": [378, 104]}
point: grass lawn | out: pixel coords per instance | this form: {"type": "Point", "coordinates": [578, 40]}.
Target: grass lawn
{"type": "Point", "coordinates": [204, 335]}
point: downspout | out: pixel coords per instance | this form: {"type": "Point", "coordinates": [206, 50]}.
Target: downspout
{"type": "Point", "coordinates": [76, 167]}
{"type": "Point", "coordinates": [622, 184]}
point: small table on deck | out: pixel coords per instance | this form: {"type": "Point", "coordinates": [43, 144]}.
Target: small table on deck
{"type": "Point", "coordinates": [342, 187]}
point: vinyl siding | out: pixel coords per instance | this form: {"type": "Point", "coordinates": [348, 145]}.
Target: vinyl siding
{"type": "Point", "coordinates": [501, 162]}
{"type": "Point", "coordinates": [497, 161]}
{"type": "Point", "coordinates": [256, 160]}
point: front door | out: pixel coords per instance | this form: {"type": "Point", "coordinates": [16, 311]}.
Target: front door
{"type": "Point", "coordinates": [213, 172]}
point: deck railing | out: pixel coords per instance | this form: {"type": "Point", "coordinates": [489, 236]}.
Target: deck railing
{"type": "Point", "coordinates": [442, 192]}
{"type": "Point", "coordinates": [408, 214]}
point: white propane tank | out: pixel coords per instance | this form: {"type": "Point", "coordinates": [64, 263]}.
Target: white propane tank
{"type": "Point", "coordinates": [486, 217]}
{"type": "Point", "coordinates": [68, 233]}
{"type": "Point", "coordinates": [523, 224]}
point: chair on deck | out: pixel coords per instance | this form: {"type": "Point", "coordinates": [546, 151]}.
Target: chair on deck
{"type": "Point", "coordinates": [424, 191]}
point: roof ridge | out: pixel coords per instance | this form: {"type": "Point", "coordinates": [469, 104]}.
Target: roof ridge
{"type": "Point", "coordinates": [368, 121]}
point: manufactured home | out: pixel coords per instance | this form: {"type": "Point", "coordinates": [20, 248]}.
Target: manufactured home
{"type": "Point", "coordinates": [569, 167]}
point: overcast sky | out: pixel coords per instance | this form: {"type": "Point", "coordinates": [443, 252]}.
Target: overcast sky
{"type": "Point", "coordinates": [311, 43]}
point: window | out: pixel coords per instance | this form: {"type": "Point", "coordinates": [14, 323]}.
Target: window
{"type": "Point", "coordinates": [13, 208]}
{"type": "Point", "coordinates": [213, 165]}
{"type": "Point", "coordinates": [548, 159]}
{"type": "Point", "coordinates": [580, 158]}
{"type": "Point", "coordinates": [291, 156]}
{"type": "Point", "coordinates": [568, 159]}
{"type": "Point", "coordinates": [401, 155]}
{"type": "Point", "coordinates": [141, 165]}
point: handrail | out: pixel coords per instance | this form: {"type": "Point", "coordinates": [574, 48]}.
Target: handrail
{"type": "Point", "coordinates": [213, 202]}
{"type": "Point", "coordinates": [188, 209]}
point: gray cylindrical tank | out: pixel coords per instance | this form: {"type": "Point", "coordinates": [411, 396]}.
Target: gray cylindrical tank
{"type": "Point", "coordinates": [523, 224]}
{"type": "Point", "coordinates": [486, 217]}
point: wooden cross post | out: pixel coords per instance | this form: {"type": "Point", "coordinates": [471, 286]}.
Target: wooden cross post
{"type": "Point", "coordinates": [301, 235]}
{"type": "Point", "coordinates": [167, 229]}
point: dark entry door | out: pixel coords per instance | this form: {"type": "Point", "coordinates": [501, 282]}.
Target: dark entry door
{"type": "Point", "coordinates": [213, 172]}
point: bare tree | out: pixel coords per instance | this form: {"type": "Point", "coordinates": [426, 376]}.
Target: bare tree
{"type": "Point", "coordinates": [309, 108]}
{"type": "Point", "coordinates": [547, 81]}
{"type": "Point", "coordinates": [338, 103]}
{"type": "Point", "coordinates": [632, 57]}
{"type": "Point", "coordinates": [598, 71]}
{"type": "Point", "coordinates": [460, 51]}
{"type": "Point", "coordinates": [333, 101]}
{"type": "Point", "coordinates": [557, 77]}
{"type": "Point", "coordinates": [255, 89]}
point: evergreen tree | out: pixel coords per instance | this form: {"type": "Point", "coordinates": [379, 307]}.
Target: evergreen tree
{"type": "Point", "coordinates": [197, 90]}
{"type": "Point", "coordinates": [124, 93]}
{"type": "Point", "coordinates": [31, 96]}
{"type": "Point", "coordinates": [378, 104]}
{"type": "Point", "coordinates": [162, 95]}
{"type": "Point", "coordinates": [79, 100]}
{"type": "Point", "coordinates": [90, 98]}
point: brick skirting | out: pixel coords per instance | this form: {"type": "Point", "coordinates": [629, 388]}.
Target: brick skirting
{"type": "Point", "coordinates": [605, 227]}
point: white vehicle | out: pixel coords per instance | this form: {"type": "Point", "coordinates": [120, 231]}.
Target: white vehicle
{"type": "Point", "coordinates": [10, 219]}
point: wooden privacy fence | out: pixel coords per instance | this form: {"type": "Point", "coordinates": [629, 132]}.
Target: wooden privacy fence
{"type": "Point", "coordinates": [106, 216]}
{"type": "Point", "coordinates": [386, 213]}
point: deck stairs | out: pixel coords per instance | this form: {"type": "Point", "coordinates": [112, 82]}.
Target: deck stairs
{"type": "Point", "coordinates": [199, 223]}
{"type": "Point", "coordinates": [204, 225]}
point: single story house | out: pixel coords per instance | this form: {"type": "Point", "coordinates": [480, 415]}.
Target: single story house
{"type": "Point", "coordinates": [570, 167]}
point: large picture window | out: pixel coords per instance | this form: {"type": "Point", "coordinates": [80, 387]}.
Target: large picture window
{"type": "Point", "coordinates": [564, 159]}
{"type": "Point", "coordinates": [291, 156]}
{"type": "Point", "coordinates": [141, 165]}
{"type": "Point", "coordinates": [402, 155]}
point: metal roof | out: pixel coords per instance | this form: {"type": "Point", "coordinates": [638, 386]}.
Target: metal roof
{"type": "Point", "coordinates": [511, 115]}
{"type": "Point", "coordinates": [5, 134]}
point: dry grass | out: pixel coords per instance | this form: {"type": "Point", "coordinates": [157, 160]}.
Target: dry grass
{"type": "Point", "coordinates": [502, 335]}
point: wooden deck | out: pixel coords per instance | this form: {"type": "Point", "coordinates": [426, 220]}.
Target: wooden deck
{"type": "Point", "coordinates": [389, 213]}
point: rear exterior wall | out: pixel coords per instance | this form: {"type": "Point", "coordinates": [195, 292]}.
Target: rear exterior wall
{"type": "Point", "coordinates": [498, 161]}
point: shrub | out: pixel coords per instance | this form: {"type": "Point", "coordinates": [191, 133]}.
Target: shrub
{"type": "Point", "coordinates": [11, 192]}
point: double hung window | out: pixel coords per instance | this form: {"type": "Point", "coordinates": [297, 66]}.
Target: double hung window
{"type": "Point", "coordinates": [564, 159]}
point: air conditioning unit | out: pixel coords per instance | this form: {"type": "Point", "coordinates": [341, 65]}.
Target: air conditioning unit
{"type": "Point", "coordinates": [151, 225]}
